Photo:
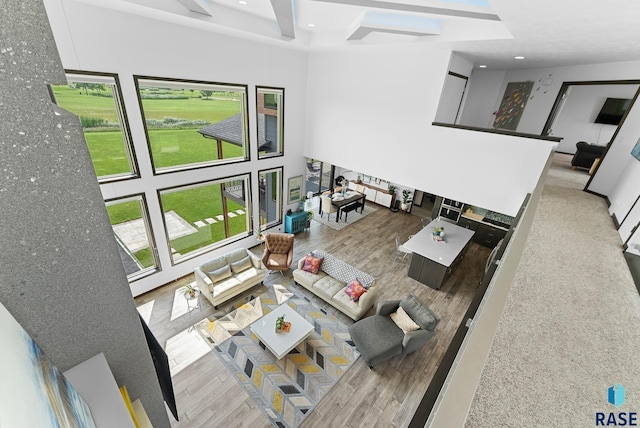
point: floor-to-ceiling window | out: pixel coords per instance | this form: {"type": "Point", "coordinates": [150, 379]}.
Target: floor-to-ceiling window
{"type": "Point", "coordinates": [270, 197]}
{"type": "Point", "coordinates": [270, 121]}
{"type": "Point", "coordinates": [318, 176]}
{"type": "Point", "coordinates": [191, 124]}
{"type": "Point", "coordinates": [203, 216]}
{"type": "Point", "coordinates": [96, 99]}
{"type": "Point", "coordinates": [132, 229]}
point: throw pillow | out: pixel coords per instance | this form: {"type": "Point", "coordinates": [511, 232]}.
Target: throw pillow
{"type": "Point", "coordinates": [312, 264]}
{"type": "Point", "coordinates": [404, 321]}
{"type": "Point", "coordinates": [220, 274]}
{"type": "Point", "coordinates": [240, 265]}
{"type": "Point", "coordinates": [355, 289]}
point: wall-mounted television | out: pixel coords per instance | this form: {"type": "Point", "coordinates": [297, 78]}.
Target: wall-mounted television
{"type": "Point", "coordinates": [612, 111]}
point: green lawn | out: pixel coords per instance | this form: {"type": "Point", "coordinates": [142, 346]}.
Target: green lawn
{"type": "Point", "coordinates": [198, 204]}
{"type": "Point", "coordinates": [108, 152]}
{"type": "Point", "coordinates": [172, 147]}
{"type": "Point", "coordinates": [191, 109]}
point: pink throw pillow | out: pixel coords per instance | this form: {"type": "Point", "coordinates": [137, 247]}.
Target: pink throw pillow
{"type": "Point", "coordinates": [312, 264]}
{"type": "Point", "coordinates": [355, 290]}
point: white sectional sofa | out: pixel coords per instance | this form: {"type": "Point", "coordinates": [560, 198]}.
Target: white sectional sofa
{"type": "Point", "coordinates": [227, 276]}
{"type": "Point", "coordinates": [331, 281]}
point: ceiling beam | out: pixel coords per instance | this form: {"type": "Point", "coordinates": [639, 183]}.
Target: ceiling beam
{"type": "Point", "coordinates": [197, 6]}
{"type": "Point", "coordinates": [284, 15]}
{"type": "Point", "coordinates": [415, 8]}
{"type": "Point", "coordinates": [363, 32]}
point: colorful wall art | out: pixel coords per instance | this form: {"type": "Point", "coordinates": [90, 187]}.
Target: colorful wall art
{"type": "Point", "coordinates": [512, 105]}
{"type": "Point", "coordinates": [34, 393]}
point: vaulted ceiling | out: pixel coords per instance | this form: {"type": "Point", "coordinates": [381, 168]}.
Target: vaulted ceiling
{"type": "Point", "coordinates": [489, 32]}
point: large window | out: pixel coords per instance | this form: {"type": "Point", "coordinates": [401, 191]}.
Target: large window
{"type": "Point", "coordinates": [270, 120]}
{"type": "Point", "coordinates": [318, 176]}
{"type": "Point", "coordinates": [270, 187]}
{"type": "Point", "coordinates": [191, 124]}
{"type": "Point", "coordinates": [130, 222]}
{"type": "Point", "coordinates": [204, 216]}
{"type": "Point", "coordinates": [96, 99]}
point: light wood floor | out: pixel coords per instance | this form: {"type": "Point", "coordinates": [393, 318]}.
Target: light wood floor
{"type": "Point", "coordinates": [386, 396]}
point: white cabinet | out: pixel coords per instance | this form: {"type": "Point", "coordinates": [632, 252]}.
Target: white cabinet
{"type": "Point", "coordinates": [383, 199]}
{"type": "Point", "coordinates": [370, 194]}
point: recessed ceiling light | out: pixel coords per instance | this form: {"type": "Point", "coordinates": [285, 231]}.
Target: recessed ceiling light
{"type": "Point", "coordinates": [519, 57]}
{"type": "Point", "coordinates": [311, 25]}
{"type": "Point", "coordinates": [482, 66]}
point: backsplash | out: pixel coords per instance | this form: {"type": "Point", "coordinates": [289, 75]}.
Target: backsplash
{"type": "Point", "coordinates": [502, 218]}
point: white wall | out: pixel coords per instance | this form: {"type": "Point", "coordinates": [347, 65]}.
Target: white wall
{"type": "Point", "coordinates": [371, 110]}
{"type": "Point", "coordinates": [106, 40]}
{"type": "Point", "coordinates": [576, 120]}
{"type": "Point", "coordinates": [482, 98]}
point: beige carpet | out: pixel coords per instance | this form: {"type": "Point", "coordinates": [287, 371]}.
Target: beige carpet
{"type": "Point", "coordinates": [571, 325]}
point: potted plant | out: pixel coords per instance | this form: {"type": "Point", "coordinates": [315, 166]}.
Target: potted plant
{"type": "Point", "coordinates": [190, 291]}
{"type": "Point", "coordinates": [406, 200]}
{"type": "Point", "coordinates": [309, 218]}
{"type": "Point", "coordinates": [392, 189]}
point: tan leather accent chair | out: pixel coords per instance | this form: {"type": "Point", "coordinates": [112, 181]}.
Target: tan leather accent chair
{"type": "Point", "coordinates": [278, 251]}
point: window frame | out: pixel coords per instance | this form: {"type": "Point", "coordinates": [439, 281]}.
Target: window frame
{"type": "Point", "coordinates": [125, 129]}
{"type": "Point", "coordinates": [184, 83]}
{"type": "Point", "coordinates": [280, 120]}
{"type": "Point", "coordinates": [279, 202]}
{"type": "Point", "coordinates": [246, 176]}
{"type": "Point", "coordinates": [331, 177]}
{"type": "Point", "coordinates": [146, 218]}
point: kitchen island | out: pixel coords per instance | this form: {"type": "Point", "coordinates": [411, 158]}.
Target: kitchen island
{"type": "Point", "coordinates": [433, 260]}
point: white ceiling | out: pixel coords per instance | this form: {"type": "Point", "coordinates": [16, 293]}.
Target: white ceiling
{"type": "Point", "coordinates": [491, 32]}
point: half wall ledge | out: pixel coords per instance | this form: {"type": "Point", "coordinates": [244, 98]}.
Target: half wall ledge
{"type": "Point", "coordinates": [499, 131]}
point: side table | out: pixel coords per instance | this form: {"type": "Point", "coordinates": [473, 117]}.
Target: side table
{"type": "Point", "coordinates": [193, 302]}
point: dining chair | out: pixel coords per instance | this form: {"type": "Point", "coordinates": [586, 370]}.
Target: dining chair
{"type": "Point", "coordinates": [401, 250]}
{"type": "Point", "coordinates": [327, 207]}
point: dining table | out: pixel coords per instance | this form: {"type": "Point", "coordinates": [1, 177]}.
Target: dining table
{"type": "Point", "coordinates": [347, 201]}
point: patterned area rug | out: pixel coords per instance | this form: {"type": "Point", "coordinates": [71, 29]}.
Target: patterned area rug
{"type": "Point", "coordinates": [287, 390]}
{"type": "Point", "coordinates": [219, 328]}
{"type": "Point", "coordinates": [352, 217]}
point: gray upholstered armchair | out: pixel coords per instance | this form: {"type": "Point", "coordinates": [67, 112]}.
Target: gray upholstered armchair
{"type": "Point", "coordinates": [379, 338]}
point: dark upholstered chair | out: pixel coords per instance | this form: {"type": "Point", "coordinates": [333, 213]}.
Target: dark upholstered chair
{"type": "Point", "coordinates": [378, 338]}
{"type": "Point", "coordinates": [278, 251]}
{"type": "Point", "coordinates": [586, 154]}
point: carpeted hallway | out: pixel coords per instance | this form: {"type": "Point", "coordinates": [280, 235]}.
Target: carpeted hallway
{"type": "Point", "coordinates": [571, 325]}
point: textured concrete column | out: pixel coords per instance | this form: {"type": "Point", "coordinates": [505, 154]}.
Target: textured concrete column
{"type": "Point", "coordinates": [60, 273]}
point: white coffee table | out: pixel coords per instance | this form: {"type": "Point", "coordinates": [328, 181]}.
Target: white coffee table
{"type": "Point", "coordinates": [281, 343]}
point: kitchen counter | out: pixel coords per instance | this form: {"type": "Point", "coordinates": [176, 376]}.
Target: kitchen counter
{"type": "Point", "coordinates": [491, 218]}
